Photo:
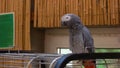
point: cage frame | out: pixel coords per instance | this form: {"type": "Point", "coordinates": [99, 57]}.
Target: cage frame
{"type": "Point", "coordinates": [62, 62]}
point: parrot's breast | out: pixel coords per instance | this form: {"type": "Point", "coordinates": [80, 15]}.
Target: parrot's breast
{"type": "Point", "coordinates": [77, 43]}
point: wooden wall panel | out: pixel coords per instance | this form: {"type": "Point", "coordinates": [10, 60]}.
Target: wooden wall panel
{"type": "Point", "coordinates": [26, 24]}
{"type": "Point", "coordinates": [21, 9]}
{"type": "Point", "coordinates": [47, 13]}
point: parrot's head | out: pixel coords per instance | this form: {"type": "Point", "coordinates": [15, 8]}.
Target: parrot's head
{"type": "Point", "coordinates": [71, 21]}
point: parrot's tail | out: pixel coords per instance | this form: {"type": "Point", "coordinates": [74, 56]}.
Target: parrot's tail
{"type": "Point", "coordinates": [89, 64]}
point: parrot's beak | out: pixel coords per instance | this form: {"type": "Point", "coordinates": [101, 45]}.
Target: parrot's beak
{"type": "Point", "coordinates": [63, 23]}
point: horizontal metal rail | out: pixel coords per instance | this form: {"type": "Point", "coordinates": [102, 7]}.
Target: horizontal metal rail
{"type": "Point", "coordinates": [62, 62]}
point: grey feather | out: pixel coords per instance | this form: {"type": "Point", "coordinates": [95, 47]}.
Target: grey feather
{"type": "Point", "coordinates": [81, 40]}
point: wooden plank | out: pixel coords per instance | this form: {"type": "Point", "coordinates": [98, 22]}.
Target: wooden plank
{"type": "Point", "coordinates": [27, 26]}
{"type": "Point", "coordinates": [40, 11]}
{"type": "Point", "coordinates": [17, 46]}
{"type": "Point", "coordinates": [0, 6]}
{"type": "Point", "coordinates": [71, 4]}
{"type": "Point", "coordinates": [72, 8]}
{"type": "Point", "coordinates": [109, 13]}
{"type": "Point", "coordinates": [19, 8]}
{"type": "Point", "coordinates": [12, 5]}
{"type": "Point", "coordinates": [47, 12]}
{"type": "Point", "coordinates": [101, 11]}
{"type": "Point", "coordinates": [116, 12]}
{"type": "Point", "coordinates": [105, 12]}
{"type": "Point", "coordinates": [94, 12]}
{"type": "Point", "coordinates": [75, 7]}
{"type": "Point", "coordinates": [43, 12]}
{"type": "Point", "coordinates": [35, 13]}
{"type": "Point", "coordinates": [67, 6]}
{"type": "Point", "coordinates": [8, 6]}
{"type": "Point", "coordinates": [56, 13]}
{"type": "Point", "coordinates": [89, 12]}
{"type": "Point", "coordinates": [3, 6]}
{"type": "Point", "coordinates": [20, 21]}
{"type": "Point", "coordinates": [119, 11]}
{"type": "Point", "coordinates": [44, 9]}
{"type": "Point", "coordinates": [112, 12]}
{"type": "Point", "coordinates": [52, 13]}
{"type": "Point", "coordinates": [86, 12]}
{"type": "Point", "coordinates": [97, 12]}
{"type": "Point", "coordinates": [62, 7]}
{"type": "Point", "coordinates": [80, 9]}
{"type": "Point", "coordinates": [5, 9]}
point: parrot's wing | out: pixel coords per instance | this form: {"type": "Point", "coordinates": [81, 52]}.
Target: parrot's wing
{"type": "Point", "coordinates": [88, 40]}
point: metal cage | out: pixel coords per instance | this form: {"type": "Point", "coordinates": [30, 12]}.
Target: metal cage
{"type": "Point", "coordinates": [39, 60]}
{"type": "Point", "coordinates": [103, 60]}
{"type": "Point", "coordinates": [27, 60]}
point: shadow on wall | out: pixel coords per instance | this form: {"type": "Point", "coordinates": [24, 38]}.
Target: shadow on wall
{"type": "Point", "coordinates": [37, 39]}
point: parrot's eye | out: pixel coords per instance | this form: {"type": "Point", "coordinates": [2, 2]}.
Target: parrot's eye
{"type": "Point", "coordinates": [66, 18]}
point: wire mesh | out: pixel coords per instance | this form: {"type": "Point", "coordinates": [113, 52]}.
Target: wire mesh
{"type": "Point", "coordinates": [27, 60]}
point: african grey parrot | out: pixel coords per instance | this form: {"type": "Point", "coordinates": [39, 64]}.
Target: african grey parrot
{"type": "Point", "coordinates": [81, 40]}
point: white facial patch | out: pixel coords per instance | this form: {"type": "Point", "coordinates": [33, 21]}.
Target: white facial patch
{"type": "Point", "coordinates": [66, 18]}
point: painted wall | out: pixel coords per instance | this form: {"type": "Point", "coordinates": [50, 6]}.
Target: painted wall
{"type": "Point", "coordinates": [37, 36]}
{"type": "Point", "coordinates": [103, 38]}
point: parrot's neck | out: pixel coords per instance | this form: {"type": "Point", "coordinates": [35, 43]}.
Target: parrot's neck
{"type": "Point", "coordinates": [76, 30]}
{"type": "Point", "coordinates": [77, 27]}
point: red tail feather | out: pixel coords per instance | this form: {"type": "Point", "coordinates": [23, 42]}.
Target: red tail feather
{"type": "Point", "coordinates": [89, 64]}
